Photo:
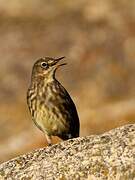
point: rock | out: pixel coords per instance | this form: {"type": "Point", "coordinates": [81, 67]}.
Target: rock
{"type": "Point", "coordinates": [107, 156]}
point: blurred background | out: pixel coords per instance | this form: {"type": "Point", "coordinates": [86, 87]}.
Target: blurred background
{"type": "Point", "coordinates": [98, 40]}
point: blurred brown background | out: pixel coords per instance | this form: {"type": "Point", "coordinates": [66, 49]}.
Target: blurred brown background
{"type": "Point", "coordinates": [98, 39]}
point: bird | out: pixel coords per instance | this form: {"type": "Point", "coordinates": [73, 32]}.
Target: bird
{"type": "Point", "coordinates": [51, 107]}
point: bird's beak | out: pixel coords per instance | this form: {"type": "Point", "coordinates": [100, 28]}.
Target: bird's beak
{"type": "Point", "coordinates": [59, 59]}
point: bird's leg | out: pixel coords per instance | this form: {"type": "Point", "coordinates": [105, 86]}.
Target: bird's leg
{"type": "Point", "coordinates": [49, 139]}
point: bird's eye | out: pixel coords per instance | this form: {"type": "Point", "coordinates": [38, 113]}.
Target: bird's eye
{"type": "Point", "coordinates": [43, 64]}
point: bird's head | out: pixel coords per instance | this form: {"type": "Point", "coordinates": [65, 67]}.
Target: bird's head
{"type": "Point", "coordinates": [46, 67]}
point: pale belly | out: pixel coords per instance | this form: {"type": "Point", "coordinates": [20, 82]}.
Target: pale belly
{"type": "Point", "coordinates": [50, 123]}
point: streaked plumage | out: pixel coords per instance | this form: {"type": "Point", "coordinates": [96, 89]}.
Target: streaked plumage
{"type": "Point", "coordinates": [50, 105]}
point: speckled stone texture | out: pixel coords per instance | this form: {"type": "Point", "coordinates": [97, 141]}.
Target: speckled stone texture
{"type": "Point", "coordinates": [107, 156]}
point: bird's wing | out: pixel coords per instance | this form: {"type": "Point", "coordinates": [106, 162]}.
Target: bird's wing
{"type": "Point", "coordinates": [67, 107]}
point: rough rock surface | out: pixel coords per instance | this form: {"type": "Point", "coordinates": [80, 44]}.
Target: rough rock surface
{"type": "Point", "coordinates": [107, 156]}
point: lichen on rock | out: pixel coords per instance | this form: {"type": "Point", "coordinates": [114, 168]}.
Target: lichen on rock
{"type": "Point", "coordinates": [107, 156]}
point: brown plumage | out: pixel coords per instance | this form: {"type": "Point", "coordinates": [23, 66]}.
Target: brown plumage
{"type": "Point", "coordinates": [50, 105]}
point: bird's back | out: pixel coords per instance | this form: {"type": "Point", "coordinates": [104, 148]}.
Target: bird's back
{"type": "Point", "coordinates": [62, 110]}
{"type": "Point", "coordinates": [68, 108]}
